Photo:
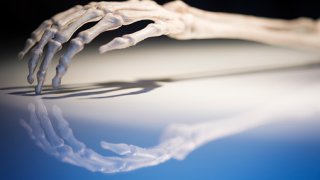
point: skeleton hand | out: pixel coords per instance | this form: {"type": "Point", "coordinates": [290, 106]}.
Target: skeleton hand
{"type": "Point", "coordinates": [175, 19]}
{"type": "Point", "coordinates": [110, 16]}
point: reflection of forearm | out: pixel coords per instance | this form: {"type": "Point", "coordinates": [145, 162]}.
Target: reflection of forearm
{"type": "Point", "coordinates": [227, 127]}
{"type": "Point", "coordinates": [302, 32]}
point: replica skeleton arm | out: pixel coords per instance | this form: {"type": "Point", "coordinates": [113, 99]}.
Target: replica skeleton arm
{"type": "Point", "coordinates": [174, 19]}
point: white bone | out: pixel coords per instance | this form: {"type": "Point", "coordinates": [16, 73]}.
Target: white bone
{"type": "Point", "coordinates": [53, 48]}
{"type": "Point", "coordinates": [70, 12]}
{"type": "Point", "coordinates": [61, 37]}
{"type": "Point", "coordinates": [109, 22]}
{"type": "Point", "coordinates": [76, 46]}
{"type": "Point", "coordinates": [35, 37]}
{"type": "Point", "coordinates": [38, 50]}
{"type": "Point", "coordinates": [152, 30]}
{"type": "Point", "coordinates": [180, 6]}
{"type": "Point", "coordinates": [70, 18]}
{"type": "Point", "coordinates": [203, 25]}
{"type": "Point", "coordinates": [91, 15]}
{"type": "Point", "coordinates": [67, 16]}
{"type": "Point", "coordinates": [128, 5]}
{"type": "Point", "coordinates": [174, 19]}
{"type": "Point", "coordinates": [37, 34]}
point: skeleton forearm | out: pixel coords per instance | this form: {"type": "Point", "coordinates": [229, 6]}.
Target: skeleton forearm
{"type": "Point", "coordinates": [302, 32]}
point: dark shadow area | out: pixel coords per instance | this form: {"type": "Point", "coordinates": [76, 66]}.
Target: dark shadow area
{"type": "Point", "coordinates": [146, 85]}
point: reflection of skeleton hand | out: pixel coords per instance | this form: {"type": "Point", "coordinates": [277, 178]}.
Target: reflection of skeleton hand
{"type": "Point", "coordinates": [178, 140]}
{"type": "Point", "coordinates": [60, 142]}
{"type": "Point", "coordinates": [174, 19]}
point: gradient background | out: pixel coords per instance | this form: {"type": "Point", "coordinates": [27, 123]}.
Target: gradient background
{"type": "Point", "coordinates": [237, 157]}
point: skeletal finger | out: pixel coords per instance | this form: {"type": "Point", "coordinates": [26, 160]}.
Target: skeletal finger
{"type": "Point", "coordinates": [65, 131]}
{"type": "Point", "coordinates": [45, 123]}
{"type": "Point", "coordinates": [53, 47]}
{"type": "Point", "coordinates": [56, 145]}
{"type": "Point", "coordinates": [152, 30]}
{"type": "Point", "coordinates": [107, 23]}
{"type": "Point", "coordinates": [48, 34]}
{"type": "Point", "coordinates": [74, 47]}
{"type": "Point", "coordinates": [89, 16]}
{"type": "Point", "coordinates": [38, 50]}
{"type": "Point", "coordinates": [79, 154]}
{"type": "Point", "coordinates": [38, 134]}
{"type": "Point", "coordinates": [64, 17]}
{"type": "Point", "coordinates": [42, 130]}
{"type": "Point", "coordinates": [61, 37]}
{"type": "Point", "coordinates": [129, 5]}
{"type": "Point", "coordinates": [35, 37]}
{"type": "Point", "coordinates": [37, 34]}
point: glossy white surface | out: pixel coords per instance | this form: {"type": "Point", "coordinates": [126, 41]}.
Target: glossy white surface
{"type": "Point", "coordinates": [209, 80]}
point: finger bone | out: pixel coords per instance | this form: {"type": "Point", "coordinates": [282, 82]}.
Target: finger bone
{"type": "Point", "coordinates": [75, 46]}
{"type": "Point", "coordinates": [69, 19]}
{"type": "Point", "coordinates": [53, 47]}
{"type": "Point", "coordinates": [91, 15]}
{"type": "Point", "coordinates": [38, 50]}
{"type": "Point", "coordinates": [109, 22]}
{"type": "Point", "coordinates": [152, 30]}
{"type": "Point", "coordinates": [68, 12]}
{"type": "Point", "coordinates": [35, 37]}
